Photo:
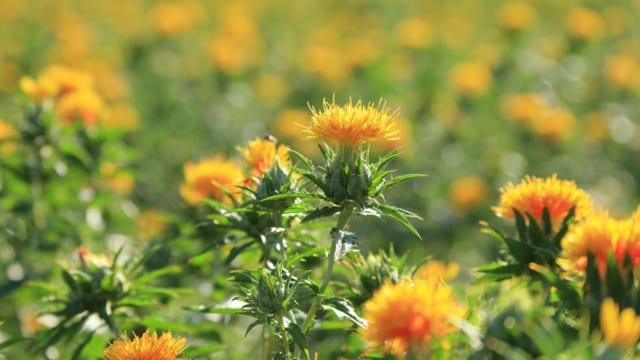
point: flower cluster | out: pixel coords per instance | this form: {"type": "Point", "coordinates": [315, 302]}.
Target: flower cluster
{"type": "Point", "coordinates": [73, 91]}
{"type": "Point", "coordinates": [410, 316]}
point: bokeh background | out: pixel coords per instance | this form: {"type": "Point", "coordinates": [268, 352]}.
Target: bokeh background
{"type": "Point", "coordinates": [487, 92]}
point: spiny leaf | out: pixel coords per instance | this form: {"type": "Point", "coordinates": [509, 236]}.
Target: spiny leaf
{"type": "Point", "coordinates": [321, 212]}
{"type": "Point", "coordinates": [298, 338]}
{"type": "Point", "coordinates": [395, 181]}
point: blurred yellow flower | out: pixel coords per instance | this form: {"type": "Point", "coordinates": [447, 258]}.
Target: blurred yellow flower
{"type": "Point", "coordinates": [437, 271]}
{"type": "Point", "coordinates": [621, 71]}
{"type": "Point", "coordinates": [261, 155]}
{"type": "Point", "coordinates": [584, 23]}
{"type": "Point", "coordinates": [327, 62]}
{"type": "Point", "coordinates": [150, 223]}
{"type": "Point", "coordinates": [269, 88]}
{"type": "Point", "coordinates": [594, 125]}
{"type": "Point", "coordinates": [145, 347]}
{"type": "Point", "coordinates": [534, 194]}
{"type": "Point", "coordinates": [39, 89]}
{"type": "Point", "coordinates": [67, 79]}
{"type": "Point", "coordinates": [467, 193]}
{"type": "Point", "coordinates": [517, 15]}
{"type": "Point", "coordinates": [120, 116]}
{"type": "Point", "coordinates": [407, 316]}
{"type": "Point", "coordinates": [236, 45]}
{"type": "Point", "coordinates": [8, 137]}
{"type": "Point", "coordinates": [116, 179]}
{"type": "Point", "coordinates": [352, 124]}
{"type": "Point", "coordinates": [471, 78]}
{"type": "Point", "coordinates": [287, 126]}
{"type": "Point", "coordinates": [413, 32]}
{"type": "Point", "coordinates": [84, 105]}
{"type": "Point", "coordinates": [522, 107]}
{"type": "Point", "coordinates": [176, 18]}
{"type": "Point", "coordinates": [553, 124]}
{"type": "Point", "coordinates": [213, 177]}
{"type": "Point", "coordinates": [620, 328]}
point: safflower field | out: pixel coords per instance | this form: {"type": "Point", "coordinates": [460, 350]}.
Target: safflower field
{"type": "Point", "coordinates": [190, 179]}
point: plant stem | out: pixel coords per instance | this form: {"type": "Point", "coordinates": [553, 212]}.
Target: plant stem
{"type": "Point", "coordinates": [283, 335]}
{"type": "Point", "coordinates": [345, 214]}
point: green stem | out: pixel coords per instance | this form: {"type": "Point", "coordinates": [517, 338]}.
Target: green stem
{"type": "Point", "coordinates": [285, 338]}
{"type": "Point", "coordinates": [345, 214]}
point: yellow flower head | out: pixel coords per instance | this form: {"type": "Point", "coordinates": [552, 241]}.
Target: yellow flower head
{"type": "Point", "coordinates": [207, 179]}
{"type": "Point", "coordinates": [522, 107]}
{"type": "Point", "coordinates": [584, 23]}
{"type": "Point", "coordinates": [146, 347]}
{"type": "Point", "coordinates": [84, 105]}
{"type": "Point", "coordinates": [352, 124]}
{"type": "Point", "coordinates": [602, 235]}
{"type": "Point", "coordinates": [409, 315]}
{"type": "Point", "coordinates": [437, 270]}
{"type": "Point", "coordinates": [8, 135]}
{"type": "Point", "coordinates": [620, 329]}
{"type": "Point", "coordinates": [621, 70]}
{"type": "Point", "coordinates": [467, 192]}
{"type": "Point", "coordinates": [176, 18]}
{"type": "Point", "coordinates": [67, 79]}
{"type": "Point", "coordinates": [261, 155]}
{"type": "Point", "coordinates": [517, 15]}
{"type": "Point", "coordinates": [534, 194]}
{"type": "Point", "coordinates": [39, 89]}
{"type": "Point", "coordinates": [414, 33]}
{"type": "Point", "coordinates": [553, 124]}
{"type": "Point", "coordinates": [471, 78]}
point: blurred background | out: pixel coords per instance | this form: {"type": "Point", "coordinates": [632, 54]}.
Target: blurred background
{"type": "Point", "coordinates": [487, 92]}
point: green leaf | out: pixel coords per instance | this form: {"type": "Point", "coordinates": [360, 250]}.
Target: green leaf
{"type": "Point", "coordinates": [321, 212]}
{"type": "Point", "coordinates": [615, 283]}
{"type": "Point", "coordinates": [216, 310]}
{"type": "Point", "coordinates": [69, 280]}
{"type": "Point", "coordinates": [5, 344]}
{"type": "Point", "coordinates": [395, 181]}
{"type": "Point", "coordinates": [342, 309]}
{"type": "Point", "coordinates": [173, 269]}
{"type": "Point", "coordinates": [500, 271]}
{"type": "Point", "coordinates": [535, 233]}
{"type": "Point", "coordinates": [202, 350]}
{"type": "Point", "coordinates": [298, 338]}
{"type": "Point", "coordinates": [400, 216]}
{"type": "Point", "coordinates": [305, 254]}
{"type": "Point", "coordinates": [521, 226]}
{"type": "Point", "coordinates": [289, 196]}
{"type": "Point", "coordinates": [522, 252]}
{"type": "Point", "coordinates": [305, 160]}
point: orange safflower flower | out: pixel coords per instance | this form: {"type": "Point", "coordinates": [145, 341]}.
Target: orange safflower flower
{"type": "Point", "coordinates": [261, 155]}
{"type": "Point", "coordinates": [407, 316]}
{"type": "Point", "coordinates": [602, 235]}
{"type": "Point", "coordinates": [84, 105]}
{"type": "Point", "coordinates": [534, 194]}
{"type": "Point", "coordinates": [146, 347]}
{"type": "Point", "coordinates": [352, 124]}
{"type": "Point", "coordinates": [211, 178]}
{"type": "Point", "coordinates": [620, 328]}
